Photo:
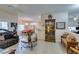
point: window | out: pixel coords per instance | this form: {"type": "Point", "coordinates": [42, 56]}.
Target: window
{"type": "Point", "coordinates": [20, 27]}
{"type": "Point", "coordinates": [4, 25]}
{"type": "Point", "coordinates": [72, 28]}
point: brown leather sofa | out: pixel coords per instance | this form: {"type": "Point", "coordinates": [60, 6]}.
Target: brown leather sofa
{"type": "Point", "coordinates": [68, 40]}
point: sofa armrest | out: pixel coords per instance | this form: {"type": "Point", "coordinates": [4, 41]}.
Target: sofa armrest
{"type": "Point", "coordinates": [72, 44]}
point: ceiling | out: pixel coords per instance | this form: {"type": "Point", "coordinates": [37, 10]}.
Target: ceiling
{"type": "Point", "coordinates": [42, 8]}
{"type": "Point", "coordinates": [38, 9]}
{"type": "Point", "coordinates": [34, 9]}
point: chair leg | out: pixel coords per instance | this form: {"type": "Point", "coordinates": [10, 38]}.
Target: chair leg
{"type": "Point", "coordinates": [31, 46]}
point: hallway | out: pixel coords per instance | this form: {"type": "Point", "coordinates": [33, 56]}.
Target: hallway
{"type": "Point", "coordinates": [42, 47]}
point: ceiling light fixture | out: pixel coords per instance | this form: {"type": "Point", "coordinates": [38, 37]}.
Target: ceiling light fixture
{"type": "Point", "coordinates": [13, 6]}
{"type": "Point", "coordinates": [75, 18]}
{"type": "Point", "coordinates": [26, 24]}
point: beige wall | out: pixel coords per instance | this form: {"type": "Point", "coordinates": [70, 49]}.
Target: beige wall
{"type": "Point", "coordinates": [60, 17]}
{"type": "Point", "coordinates": [9, 17]}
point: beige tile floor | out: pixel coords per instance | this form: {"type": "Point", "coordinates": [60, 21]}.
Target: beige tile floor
{"type": "Point", "coordinates": [42, 47]}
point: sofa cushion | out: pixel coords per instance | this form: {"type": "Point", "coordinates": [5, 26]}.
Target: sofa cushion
{"type": "Point", "coordinates": [65, 35]}
{"type": "Point", "coordinates": [71, 38]}
{"type": "Point", "coordinates": [6, 43]}
{"type": "Point", "coordinates": [2, 38]}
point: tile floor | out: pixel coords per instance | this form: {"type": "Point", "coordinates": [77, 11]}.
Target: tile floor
{"type": "Point", "coordinates": [42, 47]}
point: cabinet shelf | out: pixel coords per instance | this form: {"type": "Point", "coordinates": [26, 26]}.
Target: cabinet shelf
{"type": "Point", "coordinates": [50, 30]}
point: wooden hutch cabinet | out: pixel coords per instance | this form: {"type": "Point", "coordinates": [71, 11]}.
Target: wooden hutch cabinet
{"type": "Point", "coordinates": [50, 30]}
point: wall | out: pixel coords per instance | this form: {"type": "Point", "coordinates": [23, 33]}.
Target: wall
{"type": "Point", "coordinates": [60, 17]}
{"type": "Point", "coordinates": [73, 23]}
{"type": "Point", "coordinates": [8, 17]}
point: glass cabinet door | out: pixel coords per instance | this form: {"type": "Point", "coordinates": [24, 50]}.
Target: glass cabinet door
{"type": "Point", "coordinates": [50, 30]}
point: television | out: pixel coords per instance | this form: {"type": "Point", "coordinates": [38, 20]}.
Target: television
{"type": "Point", "coordinates": [77, 28]}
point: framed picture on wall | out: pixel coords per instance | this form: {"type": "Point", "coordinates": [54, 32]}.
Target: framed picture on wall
{"type": "Point", "coordinates": [60, 25]}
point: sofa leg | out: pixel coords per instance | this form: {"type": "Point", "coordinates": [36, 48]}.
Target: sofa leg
{"type": "Point", "coordinates": [68, 50]}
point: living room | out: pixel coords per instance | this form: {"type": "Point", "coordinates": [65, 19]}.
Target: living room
{"type": "Point", "coordinates": [18, 23]}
